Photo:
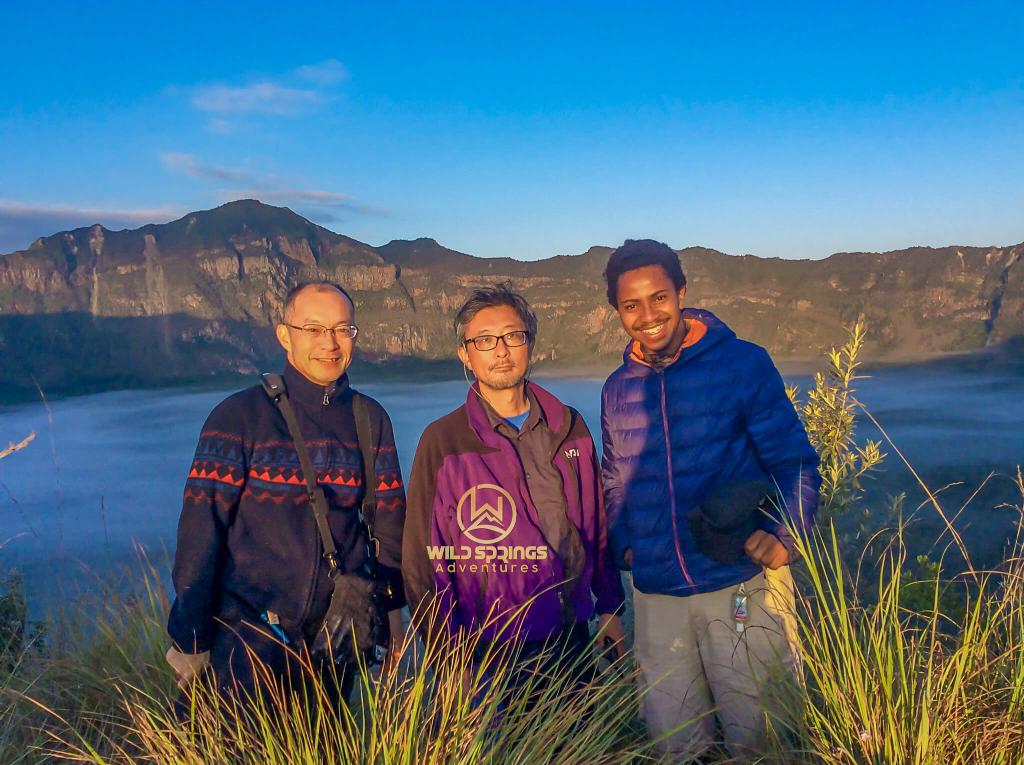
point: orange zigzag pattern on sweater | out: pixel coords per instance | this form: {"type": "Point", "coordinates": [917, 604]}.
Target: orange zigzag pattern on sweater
{"type": "Point", "coordinates": [213, 475]}
{"type": "Point", "coordinates": [339, 480]}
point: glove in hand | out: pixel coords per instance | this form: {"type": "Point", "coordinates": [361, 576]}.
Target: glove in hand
{"type": "Point", "coordinates": [187, 666]}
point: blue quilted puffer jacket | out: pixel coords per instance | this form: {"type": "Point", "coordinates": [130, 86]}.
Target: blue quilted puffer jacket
{"type": "Point", "coordinates": [717, 414]}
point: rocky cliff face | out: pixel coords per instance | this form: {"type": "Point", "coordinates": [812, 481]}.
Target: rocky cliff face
{"type": "Point", "coordinates": [93, 308]}
{"type": "Point", "coordinates": [235, 262]}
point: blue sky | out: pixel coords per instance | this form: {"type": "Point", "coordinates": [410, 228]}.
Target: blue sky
{"type": "Point", "coordinates": [524, 129]}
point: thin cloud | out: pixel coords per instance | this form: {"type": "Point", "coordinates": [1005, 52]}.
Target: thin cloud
{"type": "Point", "coordinates": [221, 126]}
{"type": "Point", "coordinates": [322, 205]}
{"type": "Point", "coordinates": [302, 195]}
{"type": "Point", "coordinates": [317, 205]}
{"type": "Point", "coordinates": [22, 223]}
{"type": "Point", "coordinates": [329, 72]}
{"type": "Point", "coordinates": [187, 163]}
{"type": "Point", "coordinates": [258, 98]}
{"type": "Point", "coordinates": [291, 94]}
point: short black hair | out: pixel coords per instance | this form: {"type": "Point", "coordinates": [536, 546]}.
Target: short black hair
{"type": "Point", "coordinates": [489, 297]}
{"type": "Point", "coordinates": [637, 253]}
{"type": "Point", "coordinates": [320, 285]}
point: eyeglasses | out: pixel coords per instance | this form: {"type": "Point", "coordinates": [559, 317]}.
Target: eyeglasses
{"type": "Point", "coordinates": [344, 331]}
{"type": "Point", "coordinates": [490, 342]}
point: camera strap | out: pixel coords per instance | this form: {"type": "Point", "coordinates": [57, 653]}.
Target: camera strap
{"type": "Point", "coordinates": [275, 388]}
{"type": "Point", "coordinates": [364, 435]}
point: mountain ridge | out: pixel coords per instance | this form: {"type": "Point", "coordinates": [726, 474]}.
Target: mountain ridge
{"type": "Point", "coordinates": [201, 293]}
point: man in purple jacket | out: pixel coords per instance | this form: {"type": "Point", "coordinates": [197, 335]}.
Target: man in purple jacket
{"type": "Point", "coordinates": [505, 503]}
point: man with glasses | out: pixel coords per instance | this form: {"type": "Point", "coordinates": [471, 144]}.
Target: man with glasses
{"type": "Point", "coordinates": [250, 573]}
{"type": "Point", "coordinates": [505, 529]}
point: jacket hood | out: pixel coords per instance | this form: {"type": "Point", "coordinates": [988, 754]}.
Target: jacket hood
{"type": "Point", "coordinates": [717, 332]}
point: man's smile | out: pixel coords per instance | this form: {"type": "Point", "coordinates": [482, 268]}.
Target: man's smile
{"type": "Point", "coordinates": [654, 331]}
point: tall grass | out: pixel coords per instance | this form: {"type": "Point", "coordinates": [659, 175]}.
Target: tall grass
{"type": "Point", "coordinates": [97, 650]}
{"type": "Point", "coordinates": [915, 672]}
{"type": "Point", "coordinates": [897, 670]}
{"type": "Point", "coordinates": [883, 683]}
{"type": "Point", "coordinates": [880, 683]}
{"type": "Point", "coordinates": [440, 707]}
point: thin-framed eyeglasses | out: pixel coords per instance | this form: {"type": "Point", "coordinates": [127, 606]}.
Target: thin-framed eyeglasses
{"type": "Point", "coordinates": [490, 342]}
{"type": "Point", "coordinates": [342, 331]}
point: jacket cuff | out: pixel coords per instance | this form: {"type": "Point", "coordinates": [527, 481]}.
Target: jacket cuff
{"type": "Point", "coordinates": [611, 597]}
{"type": "Point", "coordinates": [617, 551]}
{"type": "Point", "coordinates": [393, 577]}
{"type": "Point", "coordinates": [781, 532]}
{"type": "Point", "coordinates": [193, 646]}
{"type": "Point", "coordinates": [610, 607]}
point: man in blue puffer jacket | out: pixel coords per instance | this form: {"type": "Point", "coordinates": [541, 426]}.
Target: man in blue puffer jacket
{"type": "Point", "coordinates": [692, 419]}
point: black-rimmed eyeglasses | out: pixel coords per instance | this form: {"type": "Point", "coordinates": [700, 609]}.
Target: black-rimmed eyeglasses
{"type": "Point", "coordinates": [343, 331]}
{"type": "Point", "coordinates": [490, 342]}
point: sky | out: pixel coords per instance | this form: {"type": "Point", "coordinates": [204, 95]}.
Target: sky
{"type": "Point", "coordinates": [524, 129]}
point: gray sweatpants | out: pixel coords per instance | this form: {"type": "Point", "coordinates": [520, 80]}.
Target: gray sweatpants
{"type": "Point", "coordinates": [698, 667]}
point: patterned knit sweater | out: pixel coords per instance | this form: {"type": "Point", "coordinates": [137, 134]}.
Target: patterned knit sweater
{"type": "Point", "coordinates": [247, 539]}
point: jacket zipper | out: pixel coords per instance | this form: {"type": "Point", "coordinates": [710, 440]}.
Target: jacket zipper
{"type": "Point", "coordinates": [328, 392]}
{"type": "Point", "coordinates": [482, 593]}
{"type": "Point", "coordinates": [568, 605]}
{"type": "Point", "coordinates": [671, 480]}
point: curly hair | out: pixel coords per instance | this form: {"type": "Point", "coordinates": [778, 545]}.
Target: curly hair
{"type": "Point", "coordinates": [637, 253]}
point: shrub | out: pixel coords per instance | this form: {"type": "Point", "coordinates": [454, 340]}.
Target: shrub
{"type": "Point", "coordinates": [830, 417]}
{"type": "Point", "coordinates": [18, 634]}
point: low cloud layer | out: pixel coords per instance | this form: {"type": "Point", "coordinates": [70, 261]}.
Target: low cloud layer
{"type": "Point", "coordinates": [320, 205]}
{"type": "Point", "coordinates": [22, 223]}
{"type": "Point", "coordinates": [294, 195]}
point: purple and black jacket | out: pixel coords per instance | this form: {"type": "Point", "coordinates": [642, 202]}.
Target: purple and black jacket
{"type": "Point", "coordinates": [473, 539]}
